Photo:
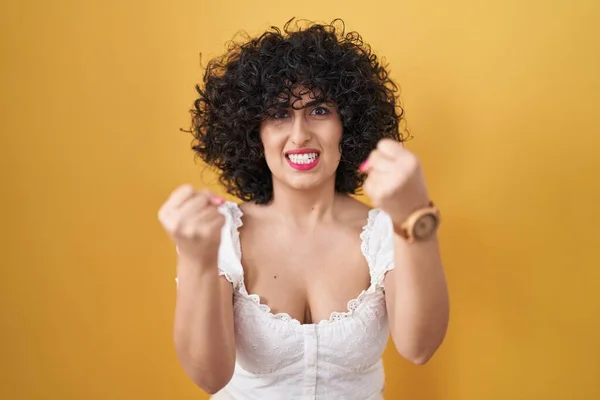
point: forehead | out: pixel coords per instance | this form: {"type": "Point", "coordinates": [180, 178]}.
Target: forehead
{"type": "Point", "coordinates": [299, 97]}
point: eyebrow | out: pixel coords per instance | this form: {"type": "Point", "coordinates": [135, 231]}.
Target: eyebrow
{"type": "Point", "coordinates": [286, 104]}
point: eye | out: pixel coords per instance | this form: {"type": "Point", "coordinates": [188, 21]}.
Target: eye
{"type": "Point", "coordinates": [279, 114]}
{"type": "Point", "coordinates": [319, 111]}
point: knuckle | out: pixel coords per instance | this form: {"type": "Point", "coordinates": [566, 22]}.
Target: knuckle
{"type": "Point", "coordinates": [385, 143]}
{"type": "Point", "coordinates": [163, 218]}
{"type": "Point", "coordinates": [170, 227]}
{"type": "Point", "coordinates": [202, 198]}
{"type": "Point", "coordinates": [204, 193]}
{"type": "Point", "coordinates": [182, 191]}
{"type": "Point", "coordinates": [412, 161]}
{"type": "Point", "coordinates": [185, 188]}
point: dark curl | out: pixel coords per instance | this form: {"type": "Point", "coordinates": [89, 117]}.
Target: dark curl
{"type": "Point", "coordinates": [241, 86]}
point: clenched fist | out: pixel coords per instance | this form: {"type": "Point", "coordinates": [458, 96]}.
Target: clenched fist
{"type": "Point", "coordinates": [395, 181]}
{"type": "Point", "coordinates": [193, 221]}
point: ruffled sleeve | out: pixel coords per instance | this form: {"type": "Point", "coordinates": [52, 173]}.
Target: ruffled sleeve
{"type": "Point", "coordinates": [230, 254]}
{"type": "Point", "coordinates": [229, 261]}
{"type": "Point", "coordinates": [380, 246]}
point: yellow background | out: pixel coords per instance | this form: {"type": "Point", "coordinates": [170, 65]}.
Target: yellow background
{"type": "Point", "coordinates": [502, 98]}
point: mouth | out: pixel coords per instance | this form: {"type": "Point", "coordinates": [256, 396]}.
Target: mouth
{"type": "Point", "coordinates": [303, 161]}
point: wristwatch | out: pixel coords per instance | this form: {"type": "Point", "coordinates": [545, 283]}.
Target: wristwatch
{"type": "Point", "coordinates": [420, 225]}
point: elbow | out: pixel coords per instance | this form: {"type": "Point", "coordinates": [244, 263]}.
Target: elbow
{"type": "Point", "coordinates": [208, 386]}
{"type": "Point", "coordinates": [209, 374]}
{"type": "Point", "coordinates": [211, 386]}
{"type": "Point", "coordinates": [419, 347]}
{"type": "Point", "coordinates": [420, 352]}
{"type": "Point", "coordinates": [417, 357]}
{"type": "Point", "coordinates": [211, 381]}
{"type": "Point", "coordinates": [421, 359]}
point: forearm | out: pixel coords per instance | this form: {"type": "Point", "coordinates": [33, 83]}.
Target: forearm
{"type": "Point", "coordinates": [203, 329]}
{"type": "Point", "coordinates": [420, 305]}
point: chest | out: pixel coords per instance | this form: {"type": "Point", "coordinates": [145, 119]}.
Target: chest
{"type": "Point", "coordinates": [307, 275]}
{"type": "Point", "coordinates": [268, 342]}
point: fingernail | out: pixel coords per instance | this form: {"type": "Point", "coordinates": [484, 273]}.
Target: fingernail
{"type": "Point", "coordinates": [216, 200]}
{"type": "Point", "coordinates": [363, 167]}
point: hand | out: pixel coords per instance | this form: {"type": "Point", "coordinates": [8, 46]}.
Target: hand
{"type": "Point", "coordinates": [395, 181]}
{"type": "Point", "coordinates": [193, 221]}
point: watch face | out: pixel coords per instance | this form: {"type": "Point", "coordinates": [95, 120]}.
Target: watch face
{"type": "Point", "coordinates": [425, 226]}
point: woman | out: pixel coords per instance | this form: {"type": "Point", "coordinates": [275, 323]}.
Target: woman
{"type": "Point", "coordinates": [294, 293]}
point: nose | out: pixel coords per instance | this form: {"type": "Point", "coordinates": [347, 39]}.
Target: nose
{"type": "Point", "coordinates": [301, 133]}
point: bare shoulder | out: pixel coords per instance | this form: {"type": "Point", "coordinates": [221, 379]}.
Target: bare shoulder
{"type": "Point", "coordinates": [252, 214]}
{"type": "Point", "coordinates": [248, 210]}
{"type": "Point", "coordinates": [353, 212]}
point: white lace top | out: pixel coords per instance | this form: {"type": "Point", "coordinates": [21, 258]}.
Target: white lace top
{"type": "Point", "coordinates": [279, 358]}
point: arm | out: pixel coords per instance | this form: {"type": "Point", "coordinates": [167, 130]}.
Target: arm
{"type": "Point", "coordinates": [416, 291]}
{"type": "Point", "coordinates": [203, 328]}
{"type": "Point", "coordinates": [417, 299]}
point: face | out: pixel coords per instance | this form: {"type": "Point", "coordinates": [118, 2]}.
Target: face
{"type": "Point", "coordinates": [301, 143]}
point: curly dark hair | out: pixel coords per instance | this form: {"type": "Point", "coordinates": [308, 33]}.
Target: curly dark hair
{"type": "Point", "coordinates": [242, 86]}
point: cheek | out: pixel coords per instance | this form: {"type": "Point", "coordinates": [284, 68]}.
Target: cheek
{"type": "Point", "coordinates": [334, 144]}
{"type": "Point", "coordinates": [330, 136]}
{"type": "Point", "coordinates": [271, 144]}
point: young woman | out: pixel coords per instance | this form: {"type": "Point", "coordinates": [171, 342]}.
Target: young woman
{"type": "Point", "coordinates": [293, 293]}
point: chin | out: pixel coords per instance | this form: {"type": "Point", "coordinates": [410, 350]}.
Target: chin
{"type": "Point", "coordinates": [308, 181]}
{"type": "Point", "coordinates": [303, 183]}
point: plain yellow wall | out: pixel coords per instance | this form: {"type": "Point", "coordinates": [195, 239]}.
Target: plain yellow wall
{"type": "Point", "coordinates": [502, 98]}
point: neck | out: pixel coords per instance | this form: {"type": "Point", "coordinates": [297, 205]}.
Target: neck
{"type": "Point", "coordinates": [304, 208]}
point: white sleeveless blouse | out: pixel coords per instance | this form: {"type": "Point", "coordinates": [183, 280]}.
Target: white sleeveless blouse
{"type": "Point", "coordinates": [279, 358]}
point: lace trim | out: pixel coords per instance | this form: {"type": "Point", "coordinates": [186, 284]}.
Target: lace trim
{"type": "Point", "coordinates": [232, 212]}
{"type": "Point", "coordinates": [365, 237]}
{"type": "Point", "coordinates": [381, 277]}
{"type": "Point", "coordinates": [236, 214]}
{"type": "Point", "coordinates": [373, 239]}
{"type": "Point", "coordinates": [352, 306]}
{"type": "Point", "coordinates": [227, 276]}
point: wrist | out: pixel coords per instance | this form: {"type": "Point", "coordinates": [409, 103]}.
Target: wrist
{"type": "Point", "coordinates": [419, 225]}
{"type": "Point", "coordinates": [407, 208]}
{"type": "Point", "coordinates": [195, 266]}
